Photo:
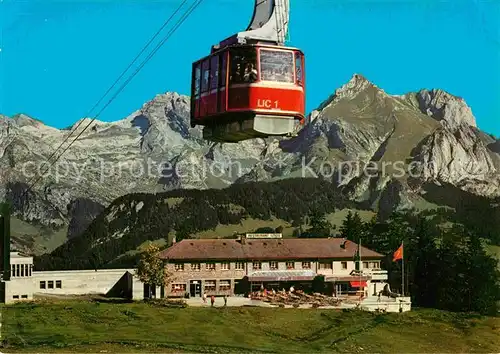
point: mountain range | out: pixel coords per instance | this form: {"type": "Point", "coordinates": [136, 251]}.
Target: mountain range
{"type": "Point", "coordinates": [380, 149]}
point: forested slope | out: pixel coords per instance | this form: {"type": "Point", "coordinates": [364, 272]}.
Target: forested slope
{"type": "Point", "coordinates": [132, 219]}
{"type": "Point", "coordinates": [135, 218]}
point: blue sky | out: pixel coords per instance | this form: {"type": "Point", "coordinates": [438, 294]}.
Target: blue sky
{"type": "Point", "coordinates": [59, 57]}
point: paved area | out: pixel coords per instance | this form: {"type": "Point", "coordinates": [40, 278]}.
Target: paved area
{"type": "Point", "coordinates": [233, 301]}
{"type": "Point", "coordinates": [370, 303]}
{"type": "Point", "coordinates": [237, 301]}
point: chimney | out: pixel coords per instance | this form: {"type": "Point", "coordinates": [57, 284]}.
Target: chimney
{"type": "Point", "coordinates": [174, 240]}
{"type": "Point", "coordinates": [243, 239]}
{"type": "Point", "coordinates": [342, 245]}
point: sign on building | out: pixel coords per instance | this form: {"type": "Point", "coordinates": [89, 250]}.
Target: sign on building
{"type": "Point", "coordinates": [264, 235]}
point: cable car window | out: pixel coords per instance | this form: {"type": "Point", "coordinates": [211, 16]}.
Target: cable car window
{"type": "Point", "coordinates": [197, 80]}
{"type": "Point", "coordinates": [277, 66]}
{"type": "Point", "coordinates": [205, 76]}
{"type": "Point", "coordinates": [223, 69]}
{"type": "Point", "coordinates": [214, 72]}
{"type": "Point", "coordinates": [298, 68]}
{"type": "Point", "coordinates": [243, 65]}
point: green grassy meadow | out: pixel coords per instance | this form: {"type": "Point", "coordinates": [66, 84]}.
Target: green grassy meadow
{"type": "Point", "coordinates": [87, 326]}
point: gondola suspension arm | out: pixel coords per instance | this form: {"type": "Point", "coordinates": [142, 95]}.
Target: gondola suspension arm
{"type": "Point", "coordinates": [269, 24]}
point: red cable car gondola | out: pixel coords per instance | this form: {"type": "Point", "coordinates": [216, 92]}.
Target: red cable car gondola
{"type": "Point", "coordinates": [251, 85]}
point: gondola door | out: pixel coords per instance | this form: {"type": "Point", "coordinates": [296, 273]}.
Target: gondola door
{"type": "Point", "coordinates": [213, 92]}
{"type": "Point", "coordinates": [205, 89]}
{"type": "Point", "coordinates": [222, 92]}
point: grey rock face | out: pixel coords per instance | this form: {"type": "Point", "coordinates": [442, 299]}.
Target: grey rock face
{"type": "Point", "coordinates": [460, 157]}
{"type": "Point", "coordinates": [359, 129]}
{"type": "Point", "coordinates": [446, 108]}
{"type": "Point", "coordinates": [495, 146]}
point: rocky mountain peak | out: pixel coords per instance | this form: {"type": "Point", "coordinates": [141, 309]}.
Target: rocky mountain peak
{"type": "Point", "coordinates": [356, 85]}
{"type": "Point", "coordinates": [22, 120]}
{"type": "Point", "coordinates": [450, 110]}
{"type": "Point", "coordinates": [163, 123]}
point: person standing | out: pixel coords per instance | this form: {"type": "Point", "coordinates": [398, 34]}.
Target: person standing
{"type": "Point", "coordinates": [212, 300]}
{"type": "Point", "coordinates": [204, 298]}
{"type": "Point", "coordinates": [225, 300]}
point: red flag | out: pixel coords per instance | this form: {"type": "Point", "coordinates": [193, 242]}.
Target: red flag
{"type": "Point", "coordinates": [398, 254]}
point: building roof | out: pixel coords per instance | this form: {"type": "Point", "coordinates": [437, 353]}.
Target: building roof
{"type": "Point", "coordinates": [264, 249]}
{"type": "Point", "coordinates": [16, 254]}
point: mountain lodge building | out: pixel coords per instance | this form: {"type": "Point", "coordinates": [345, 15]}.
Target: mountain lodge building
{"type": "Point", "coordinates": [267, 261]}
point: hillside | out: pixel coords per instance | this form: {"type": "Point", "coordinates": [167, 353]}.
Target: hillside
{"type": "Point", "coordinates": [383, 149]}
{"type": "Point", "coordinates": [133, 219]}
{"type": "Point", "coordinates": [113, 237]}
{"type": "Point", "coordinates": [81, 326]}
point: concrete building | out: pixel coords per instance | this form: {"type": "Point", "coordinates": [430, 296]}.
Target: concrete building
{"type": "Point", "coordinates": [21, 274]}
{"type": "Point", "coordinates": [228, 267]}
{"type": "Point", "coordinates": [24, 282]}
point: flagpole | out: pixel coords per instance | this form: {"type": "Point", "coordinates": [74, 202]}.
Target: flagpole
{"type": "Point", "coordinates": [403, 267]}
{"type": "Point", "coordinates": [360, 265]}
